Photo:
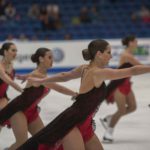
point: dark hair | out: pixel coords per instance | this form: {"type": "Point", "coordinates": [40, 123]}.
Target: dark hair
{"type": "Point", "coordinates": [39, 52]}
{"type": "Point", "coordinates": [6, 47]}
{"type": "Point", "coordinates": [93, 47]}
{"type": "Point", "coordinates": [127, 39]}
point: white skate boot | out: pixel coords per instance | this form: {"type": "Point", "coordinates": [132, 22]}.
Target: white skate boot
{"type": "Point", "coordinates": [106, 121]}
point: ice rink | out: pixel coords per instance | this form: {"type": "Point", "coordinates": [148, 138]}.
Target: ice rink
{"type": "Point", "coordinates": [131, 133]}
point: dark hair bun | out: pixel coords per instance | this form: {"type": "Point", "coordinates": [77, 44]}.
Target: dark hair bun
{"type": "Point", "coordinates": [86, 54]}
{"type": "Point", "coordinates": [125, 42]}
{"type": "Point", "coordinates": [34, 58]}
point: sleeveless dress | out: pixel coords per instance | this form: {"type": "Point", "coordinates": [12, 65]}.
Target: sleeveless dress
{"type": "Point", "coordinates": [74, 116]}
{"type": "Point", "coordinates": [124, 85]}
{"type": "Point", "coordinates": [3, 92]}
{"type": "Point", "coordinates": [4, 85]}
{"type": "Point", "coordinates": [26, 102]}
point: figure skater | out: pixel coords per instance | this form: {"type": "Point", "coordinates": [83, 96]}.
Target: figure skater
{"type": "Point", "coordinates": [8, 51]}
{"type": "Point", "coordinates": [120, 91]}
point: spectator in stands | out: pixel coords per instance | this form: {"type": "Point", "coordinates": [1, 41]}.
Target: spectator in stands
{"type": "Point", "coordinates": [50, 18]}
{"type": "Point", "coordinates": [143, 14]}
{"type": "Point", "coordinates": [34, 11]}
{"type": "Point", "coordinates": [44, 18]}
{"type": "Point", "coordinates": [144, 11]}
{"type": "Point", "coordinates": [2, 10]}
{"type": "Point", "coordinates": [10, 11]}
{"type": "Point", "coordinates": [85, 15]}
{"type": "Point", "coordinates": [52, 8]}
{"type": "Point", "coordinates": [54, 17]}
{"type": "Point", "coordinates": [95, 15]}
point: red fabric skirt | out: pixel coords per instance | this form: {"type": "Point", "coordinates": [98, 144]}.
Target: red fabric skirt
{"type": "Point", "coordinates": [86, 130]}
{"type": "Point", "coordinates": [124, 88]}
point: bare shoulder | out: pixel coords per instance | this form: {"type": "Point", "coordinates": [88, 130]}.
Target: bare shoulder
{"type": "Point", "coordinates": [124, 55]}
{"type": "Point", "coordinates": [83, 66]}
{"type": "Point", "coordinates": [131, 59]}
{"type": "Point", "coordinates": [36, 74]}
{"type": "Point", "coordinates": [78, 70]}
{"type": "Point", "coordinates": [99, 75]}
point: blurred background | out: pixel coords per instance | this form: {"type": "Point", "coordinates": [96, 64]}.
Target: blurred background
{"type": "Point", "coordinates": [67, 26]}
{"type": "Point", "coordinates": [68, 19]}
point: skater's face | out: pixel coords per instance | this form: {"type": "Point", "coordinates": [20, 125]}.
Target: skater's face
{"type": "Point", "coordinates": [47, 60]}
{"type": "Point", "coordinates": [11, 53]}
{"type": "Point", "coordinates": [104, 57]}
{"type": "Point", "coordinates": [133, 44]}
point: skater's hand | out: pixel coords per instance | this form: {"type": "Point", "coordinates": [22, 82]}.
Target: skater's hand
{"type": "Point", "coordinates": [73, 98]}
